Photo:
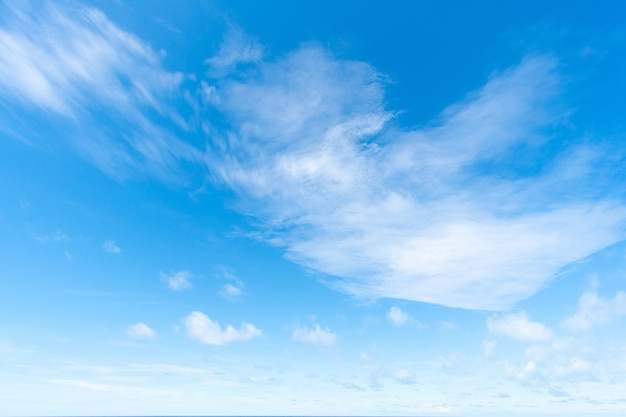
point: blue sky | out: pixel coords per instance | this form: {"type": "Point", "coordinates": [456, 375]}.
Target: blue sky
{"type": "Point", "coordinates": [290, 208]}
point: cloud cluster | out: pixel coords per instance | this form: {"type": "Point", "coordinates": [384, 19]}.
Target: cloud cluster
{"type": "Point", "coordinates": [444, 213]}
{"type": "Point", "coordinates": [477, 209]}
{"type": "Point", "coordinates": [200, 327]}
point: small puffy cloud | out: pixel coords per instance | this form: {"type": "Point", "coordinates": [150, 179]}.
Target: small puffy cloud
{"type": "Point", "coordinates": [178, 281]}
{"type": "Point", "coordinates": [200, 327]}
{"type": "Point", "coordinates": [594, 311]}
{"type": "Point", "coordinates": [109, 246]}
{"type": "Point", "coordinates": [140, 331]}
{"type": "Point", "coordinates": [516, 326]}
{"type": "Point", "coordinates": [397, 317]}
{"type": "Point", "coordinates": [314, 335]}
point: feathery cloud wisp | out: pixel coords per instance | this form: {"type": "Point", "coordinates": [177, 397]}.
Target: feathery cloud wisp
{"type": "Point", "coordinates": [178, 281]}
{"type": "Point", "coordinates": [444, 213]}
{"type": "Point", "coordinates": [109, 246]}
{"type": "Point", "coordinates": [78, 67]}
{"type": "Point", "coordinates": [419, 214]}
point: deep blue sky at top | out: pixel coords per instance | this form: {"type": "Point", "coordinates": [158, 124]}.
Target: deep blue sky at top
{"type": "Point", "coordinates": [432, 52]}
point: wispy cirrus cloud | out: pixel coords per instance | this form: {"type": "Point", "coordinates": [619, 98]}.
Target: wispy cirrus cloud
{"type": "Point", "coordinates": [232, 290]}
{"type": "Point", "coordinates": [236, 48]}
{"type": "Point", "coordinates": [86, 73]}
{"type": "Point", "coordinates": [444, 213]}
{"type": "Point", "coordinates": [476, 209]}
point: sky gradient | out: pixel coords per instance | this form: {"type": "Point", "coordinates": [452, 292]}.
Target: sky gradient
{"type": "Point", "coordinates": [290, 208]}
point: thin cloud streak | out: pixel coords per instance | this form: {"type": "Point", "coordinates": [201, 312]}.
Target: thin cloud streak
{"type": "Point", "coordinates": [84, 73]}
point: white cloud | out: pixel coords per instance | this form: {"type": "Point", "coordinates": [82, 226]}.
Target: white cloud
{"type": "Point", "coordinates": [594, 311]}
{"type": "Point", "coordinates": [516, 326]}
{"type": "Point", "coordinates": [397, 317]}
{"type": "Point", "coordinates": [73, 63]}
{"type": "Point", "coordinates": [140, 331]}
{"type": "Point", "coordinates": [233, 290]}
{"type": "Point", "coordinates": [559, 360]}
{"type": "Point", "coordinates": [200, 327]}
{"type": "Point", "coordinates": [110, 246]}
{"type": "Point", "coordinates": [422, 214]}
{"type": "Point", "coordinates": [178, 281]}
{"type": "Point", "coordinates": [236, 48]}
{"type": "Point", "coordinates": [314, 335]}
{"type": "Point", "coordinates": [440, 214]}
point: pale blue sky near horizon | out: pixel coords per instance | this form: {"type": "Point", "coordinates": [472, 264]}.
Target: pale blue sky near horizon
{"type": "Point", "coordinates": [312, 208]}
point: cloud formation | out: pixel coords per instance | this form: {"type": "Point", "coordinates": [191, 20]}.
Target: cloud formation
{"type": "Point", "coordinates": [397, 317]}
{"type": "Point", "coordinates": [443, 214]}
{"type": "Point", "coordinates": [314, 335]}
{"type": "Point", "coordinates": [178, 281]}
{"type": "Point", "coordinates": [232, 290]}
{"type": "Point", "coordinates": [85, 73]}
{"type": "Point", "coordinates": [595, 311]}
{"type": "Point", "coordinates": [517, 326]}
{"type": "Point", "coordinates": [200, 327]}
{"type": "Point", "coordinates": [236, 48]}
{"type": "Point", "coordinates": [477, 209]}
{"type": "Point", "coordinates": [140, 331]}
